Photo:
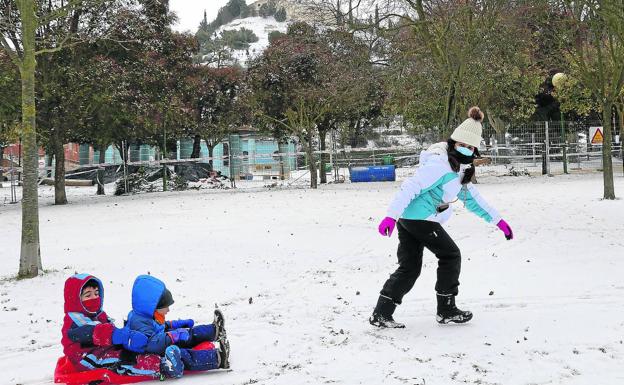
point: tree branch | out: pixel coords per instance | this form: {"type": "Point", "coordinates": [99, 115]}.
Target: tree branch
{"type": "Point", "coordinates": [59, 47]}
{"type": "Point", "coordinates": [277, 121]}
{"type": "Point", "coordinates": [15, 42]}
{"type": "Point", "coordinates": [60, 12]}
{"type": "Point", "coordinates": [12, 54]}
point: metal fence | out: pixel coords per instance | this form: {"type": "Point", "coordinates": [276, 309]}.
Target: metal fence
{"type": "Point", "coordinates": [532, 148]}
{"type": "Point", "coordinates": [550, 147]}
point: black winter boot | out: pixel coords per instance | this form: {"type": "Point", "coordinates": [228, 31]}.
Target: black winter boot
{"type": "Point", "coordinates": [219, 324]}
{"type": "Point", "coordinates": [448, 312]}
{"type": "Point", "coordinates": [223, 352]}
{"type": "Point", "coordinates": [382, 315]}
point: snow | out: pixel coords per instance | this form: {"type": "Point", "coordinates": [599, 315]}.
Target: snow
{"type": "Point", "coordinates": [313, 263]}
{"type": "Point", "coordinates": [261, 27]}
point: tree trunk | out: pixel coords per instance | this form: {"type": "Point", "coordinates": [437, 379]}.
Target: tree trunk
{"type": "Point", "coordinates": [620, 113]}
{"type": "Point", "coordinates": [60, 197]}
{"type": "Point", "coordinates": [48, 164]}
{"type": "Point", "coordinates": [622, 135]}
{"type": "Point", "coordinates": [339, 18]}
{"type": "Point", "coordinates": [449, 107]}
{"type": "Point", "coordinates": [196, 147]}
{"type": "Point", "coordinates": [607, 161]}
{"type": "Point", "coordinates": [210, 155]}
{"type": "Point", "coordinates": [351, 13]}
{"type": "Point", "coordinates": [1, 158]}
{"type": "Point", "coordinates": [322, 140]}
{"type": "Point", "coordinates": [30, 253]}
{"type": "Point", "coordinates": [123, 151]}
{"type": "Point", "coordinates": [356, 133]}
{"type": "Point", "coordinates": [311, 162]}
{"type": "Point", "coordinates": [100, 172]}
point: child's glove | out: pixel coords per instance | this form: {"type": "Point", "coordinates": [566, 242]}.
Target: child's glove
{"type": "Point", "coordinates": [202, 333]}
{"type": "Point", "coordinates": [179, 335]}
{"type": "Point", "coordinates": [504, 227]}
{"type": "Point", "coordinates": [386, 227]}
{"type": "Point", "coordinates": [130, 339]}
{"type": "Point", "coordinates": [181, 323]}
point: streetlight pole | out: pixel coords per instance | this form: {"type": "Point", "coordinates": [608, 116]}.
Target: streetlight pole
{"type": "Point", "coordinates": [557, 81]}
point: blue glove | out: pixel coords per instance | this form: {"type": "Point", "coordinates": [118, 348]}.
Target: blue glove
{"type": "Point", "coordinates": [203, 333]}
{"type": "Point", "coordinates": [181, 323]}
{"type": "Point", "coordinates": [179, 335]}
{"type": "Point", "coordinates": [130, 339]}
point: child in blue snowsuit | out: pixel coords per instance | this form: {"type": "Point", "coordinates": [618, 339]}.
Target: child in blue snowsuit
{"type": "Point", "coordinates": [182, 344]}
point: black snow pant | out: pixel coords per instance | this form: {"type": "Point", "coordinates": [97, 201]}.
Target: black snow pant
{"type": "Point", "coordinates": [414, 236]}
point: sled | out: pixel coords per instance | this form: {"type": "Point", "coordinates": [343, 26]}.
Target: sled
{"type": "Point", "coordinates": [66, 373]}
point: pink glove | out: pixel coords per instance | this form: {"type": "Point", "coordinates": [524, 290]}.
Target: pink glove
{"type": "Point", "coordinates": [504, 227]}
{"type": "Point", "coordinates": [386, 227]}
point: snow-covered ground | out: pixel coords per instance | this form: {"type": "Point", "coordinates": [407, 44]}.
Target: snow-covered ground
{"type": "Point", "coordinates": [261, 27]}
{"type": "Point", "coordinates": [297, 273]}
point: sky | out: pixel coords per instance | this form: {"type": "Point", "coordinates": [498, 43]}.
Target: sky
{"type": "Point", "coordinates": [191, 12]}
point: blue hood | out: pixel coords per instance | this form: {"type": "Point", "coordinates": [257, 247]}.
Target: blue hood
{"type": "Point", "coordinates": [146, 292]}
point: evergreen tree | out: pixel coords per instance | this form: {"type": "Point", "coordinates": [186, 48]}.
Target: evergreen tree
{"type": "Point", "coordinates": [268, 9]}
{"type": "Point", "coordinates": [203, 32]}
{"type": "Point", "coordinates": [240, 39]}
{"type": "Point", "coordinates": [274, 35]}
{"type": "Point", "coordinates": [281, 15]}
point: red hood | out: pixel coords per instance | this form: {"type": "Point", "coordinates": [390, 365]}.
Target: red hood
{"type": "Point", "coordinates": [73, 287]}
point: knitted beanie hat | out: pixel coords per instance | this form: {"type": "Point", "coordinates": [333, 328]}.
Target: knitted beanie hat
{"type": "Point", "coordinates": [469, 131]}
{"type": "Point", "coordinates": [166, 299]}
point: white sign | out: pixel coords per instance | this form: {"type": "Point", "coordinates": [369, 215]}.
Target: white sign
{"type": "Point", "coordinates": [596, 135]}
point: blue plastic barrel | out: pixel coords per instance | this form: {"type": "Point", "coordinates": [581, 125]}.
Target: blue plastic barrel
{"type": "Point", "coordinates": [373, 174]}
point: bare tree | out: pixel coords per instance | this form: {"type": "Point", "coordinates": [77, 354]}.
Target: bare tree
{"type": "Point", "coordinates": [597, 58]}
{"type": "Point", "coordinates": [25, 33]}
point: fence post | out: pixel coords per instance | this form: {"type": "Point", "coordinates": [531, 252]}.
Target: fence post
{"type": "Point", "coordinates": [13, 181]}
{"type": "Point", "coordinates": [601, 159]}
{"type": "Point", "coordinates": [621, 147]}
{"type": "Point", "coordinates": [331, 152]}
{"type": "Point", "coordinates": [564, 146]}
{"type": "Point", "coordinates": [565, 158]}
{"type": "Point", "coordinates": [163, 158]}
{"type": "Point", "coordinates": [494, 144]}
{"type": "Point", "coordinates": [124, 158]}
{"type": "Point", "coordinates": [533, 149]}
{"type": "Point", "coordinates": [547, 150]}
{"type": "Point", "coordinates": [232, 171]}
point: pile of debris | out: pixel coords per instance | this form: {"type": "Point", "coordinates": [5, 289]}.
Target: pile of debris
{"type": "Point", "coordinates": [179, 176]}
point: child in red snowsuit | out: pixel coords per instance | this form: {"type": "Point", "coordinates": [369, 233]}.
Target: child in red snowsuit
{"type": "Point", "coordinates": [91, 340]}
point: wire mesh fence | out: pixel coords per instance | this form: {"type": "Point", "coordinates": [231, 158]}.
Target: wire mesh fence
{"type": "Point", "coordinates": [531, 148]}
{"type": "Point", "coordinates": [551, 147]}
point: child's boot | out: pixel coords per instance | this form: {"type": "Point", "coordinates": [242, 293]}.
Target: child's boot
{"type": "Point", "coordinates": [219, 324]}
{"type": "Point", "coordinates": [171, 365]}
{"type": "Point", "coordinates": [223, 349]}
{"type": "Point", "coordinates": [448, 312]}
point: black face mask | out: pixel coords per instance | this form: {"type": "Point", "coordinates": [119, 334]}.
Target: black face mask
{"type": "Point", "coordinates": [461, 158]}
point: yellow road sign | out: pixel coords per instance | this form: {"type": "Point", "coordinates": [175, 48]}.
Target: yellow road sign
{"type": "Point", "coordinates": [596, 135]}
